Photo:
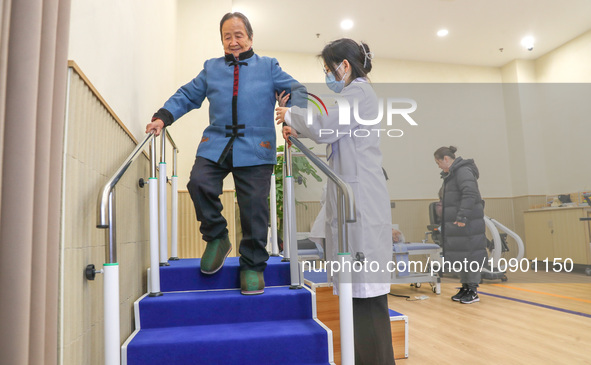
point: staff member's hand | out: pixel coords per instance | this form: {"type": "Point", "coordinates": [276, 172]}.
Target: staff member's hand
{"type": "Point", "coordinates": [459, 224]}
{"type": "Point", "coordinates": [289, 131]}
{"type": "Point", "coordinates": [280, 114]}
{"type": "Point", "coordinates": [155, 126]}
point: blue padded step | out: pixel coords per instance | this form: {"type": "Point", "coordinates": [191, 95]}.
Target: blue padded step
{"type": "Point", "coordinates": [203, 319]}
{"type": "Point", "coordinates": [317, 277]}
{"type": "Point", "coordinates": [185, 275]}
{"type": "Point", "coordinates": [393, 313]}
{"type": "Point", "coordinates": [224, 306]}
{"type": "Point", "coordinates": [247, 343]}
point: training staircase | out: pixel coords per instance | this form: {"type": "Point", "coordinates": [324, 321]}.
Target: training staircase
{"type": "Point", "coordinates": [204, 319]}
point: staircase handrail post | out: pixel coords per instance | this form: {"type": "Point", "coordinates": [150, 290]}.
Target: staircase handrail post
{"type": "Point", "coordinates": [112, 335]}
{"type": "Point", "coordinates": [345, 284]}
{"type": "Point", "coordinates": [273, 209]}
{"type": "Point", "coordinates": [286, 252]}
{"type": "Point", "coordinates": [345, 214]}
{"type": "Point", "coordinates": [154, 234]}
{"type": "Point", "coordinates": [174, 207]}
{"type": "Point", "coordinates": [290, 212]}
{"type": "Point", "coordinates": [106, 219]}
{"type": "Point", "coordinates": [163, 198]}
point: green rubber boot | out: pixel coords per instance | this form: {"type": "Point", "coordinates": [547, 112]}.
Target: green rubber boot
{"type": "Point", "coordinates": [215, 254]}
{"type": "Point", "coordinates": [252, 282]}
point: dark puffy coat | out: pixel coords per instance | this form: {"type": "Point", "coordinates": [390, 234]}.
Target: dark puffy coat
{"type": "Point", "coordinates": [462, 203]}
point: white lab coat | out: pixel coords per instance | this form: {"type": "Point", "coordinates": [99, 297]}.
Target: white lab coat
{"type": "Point", "coordinates": [358, 161]}
{"type": "Point", "coordinates": [318, 228]}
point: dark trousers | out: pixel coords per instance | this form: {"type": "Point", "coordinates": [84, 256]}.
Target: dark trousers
{"type": "Point", "coordinates": [252, 189]}
{"type": "Point", "coordinates": [373, 336]}
{"type": "Point", "coordinates": [470, 279]}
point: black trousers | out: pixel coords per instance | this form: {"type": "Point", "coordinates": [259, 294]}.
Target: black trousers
{"type": "Point", "coordinates": [252, 189]}
{"type": "Point", "coordinates": [373, 336]}
{"type": "Point", "coordinates": [470, 279]}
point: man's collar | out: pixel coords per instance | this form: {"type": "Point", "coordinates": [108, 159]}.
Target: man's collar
{"type": "Point", "coordinates": [242, 56]}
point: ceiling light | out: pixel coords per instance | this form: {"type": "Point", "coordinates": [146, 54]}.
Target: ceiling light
{"type": "Point", "coordinates": [528, 42]}
{"type": "Point", "coordinates": [347, 24]}
{"type": "Point", "coordinates": [442, 32]}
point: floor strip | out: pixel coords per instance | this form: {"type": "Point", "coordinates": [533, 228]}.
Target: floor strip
{"type": "Point", "coordinates": [544, 293]}
{"type": "Point", "coordinates": [537, 304]}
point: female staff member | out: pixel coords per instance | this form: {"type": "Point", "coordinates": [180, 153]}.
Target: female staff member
{"type": "Point", "coordinates": [358, 161]}
{"type": "Point", "coordinates": [462, 227]}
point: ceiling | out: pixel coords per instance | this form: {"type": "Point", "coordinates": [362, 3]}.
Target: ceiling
{"type": "Point", "coordinates": [406, 29]}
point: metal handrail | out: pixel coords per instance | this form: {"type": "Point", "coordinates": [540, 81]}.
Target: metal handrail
{"type": "Point", "coordinates": [345, 214]}
{"type": "Point", "coordinates": [103, 198]}
{"type": "Point", "coordinates": [106, 220]}
{"type": "Point", "coordinates": [349, 198]}
{"type": "Point", "coordinates": [175, 151]}
{"type": "Point", "coordinates": [169, 137]}
{"type": "Point", "coordinates": [174, 199]}
{"type": "Point", "coordinates": [163, 198]}
{"type": "Point", "coordinates": [104, 194]}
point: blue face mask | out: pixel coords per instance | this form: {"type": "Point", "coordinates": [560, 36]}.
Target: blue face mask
{"type": "Point", "coordinates": [332, 83]}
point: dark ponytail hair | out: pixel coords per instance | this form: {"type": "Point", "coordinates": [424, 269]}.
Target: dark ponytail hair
{"type": "Point", "coordinates": [358, 55]}
{"type": "Point", "coordinates": [445, 151]}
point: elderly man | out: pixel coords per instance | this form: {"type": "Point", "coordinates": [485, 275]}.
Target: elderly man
{"type": "Point", "coordinates": [241, 88]}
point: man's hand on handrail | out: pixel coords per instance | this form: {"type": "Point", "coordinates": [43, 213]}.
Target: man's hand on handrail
{"type": "Point", "coordinates": [155, 126]}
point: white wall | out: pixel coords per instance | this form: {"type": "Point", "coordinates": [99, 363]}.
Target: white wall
{"type": "Point", "coordinates": [520, 152]}
{"type": "Point", "coordinates": [568, 63]}
{"type": "Point", "coordinates": [137, 62]}
{"type": "Point", "coordinates": [409, 160]}
{"type": "Point", "coordinates": [547, 129]}
{"type": "Point", "coordinates": [565, 136]}
{"type": "Point", "coordinates": [407, 71]}
{"type": "Point", "coordinates": [138, 53]}
{"type": "Point", "coordinates": [304, 67]}
{"type": "Point", "coordinates": [126, 49]}
{"type": "Point", "coordinates": [199, 39]}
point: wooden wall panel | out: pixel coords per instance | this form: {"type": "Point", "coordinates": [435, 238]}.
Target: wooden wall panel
{"type": "Point", "coordinates": [190, 243]}
{"type": "Point", "coordinates": [412, 216]}
{"type": "Point", "coordinates": [95, 145]}
{"type": "Point", "coordinates": [306, 213]}
{"type": "Point", "coordinates": [520, 205]}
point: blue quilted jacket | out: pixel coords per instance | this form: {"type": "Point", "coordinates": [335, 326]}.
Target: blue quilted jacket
{"type": "Point", "coordinates": [241, 94]}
